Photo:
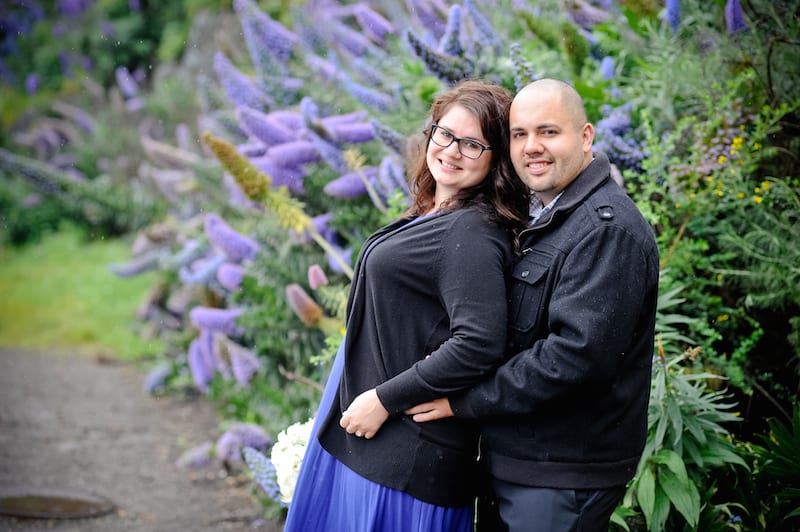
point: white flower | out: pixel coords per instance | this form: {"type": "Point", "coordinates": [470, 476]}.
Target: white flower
{"type": "Point", "coordinates": [287, 455]}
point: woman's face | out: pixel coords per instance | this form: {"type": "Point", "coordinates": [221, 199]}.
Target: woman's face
{"type": "Point", "coordinates": [451, 170]}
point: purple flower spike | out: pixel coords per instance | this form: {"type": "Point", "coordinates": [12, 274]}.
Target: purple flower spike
{"type": "Point", "coordinates": [330, 152]}
{"type": "Point", "coordinates": [347, 118]}
{"type": "Point", "coordinates": [391, 176]}
{"type": "Point", "coordinates": [734, 17]}
{"type": "Point", "coordinates": [346, 186]}
{"type": "Point", "coordinates": [446, 67]}
{"type": "Point", "coordinates": [144, 262]}
{"type": "Point", "coordinates": [352, 133]}
{"type": "Point", "coordinates": [230, 276]}
{"type": "Point", "coordinates": [208, 349]}
{"type": "Point", "coordinates": [196, 457]}
{"type": "Point", "coordinates": [252, 149]}
{"type": "Point", "coordinates": [450, 43]}
{"type": "Point", "coordinates": [156, 379]}
{"type": "Point", "coordinates": [238, 436]}
{"type": "Point", "coordinates": [202, 372]}
{"type": "Point", "coordinates": [373, 24]}
{"type": "Point", "coordinates": [427, 17]}
{"type": "Point", "coordinates": [240, 89]}
{"type": "Point", "coordinates": [271, 36]}
{"type": "Point", "coordinates": [31, 83]}
{"type": "Point", "coordinates": [391, 138]}
{"type": "Point", "coordinates": [244, 363]}
{"type": "Point", "coordinates": [486, 33]}
{"type": "Point", "coordinates": [345, 255]}
{"type": "Point", "coordinates": [371, 97]}
{"type": "Point", "coordinates": [309, 109]}
{"type": "Point", "coordinates": [264, 127]}
{"type": "Point", "coordinates": [72, 8]}
{"type": "Point", "coordinates": [321, 222]}
{"type": "Point", "coordinates": [290, 177]}
{"type": "Point", "coordinates": [316, 277]}
{"type": "Point", "coordinates": [236, 246]}
{"type": "Point", "coordinates": [350, 40]}
{"type": "Point", "coordinates": [294, 153]}
{"type": "Point", "coordinates": [216, 319]}
{"type": "Point", "coordinates": [201, 271]}
{"type": "Point", "coordinates": [127, 85]}
{"type": "Point", "coordinates": [264, 473]}
{"type": "Point", "coordinates": [607, 67]}
{"type": "Point", "coordinates": [673, 14]}
{"type": "Point", "coordinates": [585, 15]}
{"type": "Point", "coordinates": [321, 67]}
{"type": "Point", "coordinates": [290, 119]}
{"type": "Point", "coordinates": [190, 252]}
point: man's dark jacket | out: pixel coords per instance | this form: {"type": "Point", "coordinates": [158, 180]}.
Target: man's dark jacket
{"type": "Point", "coordinates": [569, 407]}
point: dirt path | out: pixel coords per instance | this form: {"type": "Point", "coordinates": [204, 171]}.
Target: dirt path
{"type": "Point", "coordinates": [71, 422]}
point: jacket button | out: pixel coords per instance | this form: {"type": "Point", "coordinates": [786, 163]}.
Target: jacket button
{"type": "Point", "coordinates": [525, 274]}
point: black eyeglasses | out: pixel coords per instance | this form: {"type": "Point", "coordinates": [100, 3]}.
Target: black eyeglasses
{"type": "Point", "coordinates": [469, 148]}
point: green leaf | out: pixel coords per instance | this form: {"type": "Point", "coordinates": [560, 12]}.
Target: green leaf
{"type": "Point", "coordinates": [720, 454]}
{"type": "Point", "coordinates": [660, 510]}
{"type": "Point", "coordinates": [676, 420]}
{"type": "Point", "coordinates": [673, 462]}
{"type": "Point", "coordinates": [646, 494]}
{"type": "Point", "coordinates": [680, 495]}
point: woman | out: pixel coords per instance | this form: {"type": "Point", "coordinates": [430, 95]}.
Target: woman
{"type": "Point", "coordinates": [426, 316]}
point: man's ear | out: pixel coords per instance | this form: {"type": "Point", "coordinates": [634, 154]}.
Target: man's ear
{"type": "Point", "coordinates": [588, 137]}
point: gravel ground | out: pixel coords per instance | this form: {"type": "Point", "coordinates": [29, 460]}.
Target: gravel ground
{"type": "Point", "coordinates": [71, 422]}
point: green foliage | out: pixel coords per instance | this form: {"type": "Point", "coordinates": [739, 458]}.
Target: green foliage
{"type": "Point", "coordinates": [686, 442]}
{"type": "Point", "coordinates": [770, 499]}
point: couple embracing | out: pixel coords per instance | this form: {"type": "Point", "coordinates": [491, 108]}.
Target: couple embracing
{"type": "Point", "coordinates": [499, 335]}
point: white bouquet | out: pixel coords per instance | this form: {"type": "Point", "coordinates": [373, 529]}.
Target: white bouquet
{"type": "Point", "coordinates": [287, 455]}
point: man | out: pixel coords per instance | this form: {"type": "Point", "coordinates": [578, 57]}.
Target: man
{"type": "Point", "coordinates": [564, 420]}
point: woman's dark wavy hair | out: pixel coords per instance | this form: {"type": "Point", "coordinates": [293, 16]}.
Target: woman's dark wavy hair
{"type": "Point", "coordinates": [502, 195]}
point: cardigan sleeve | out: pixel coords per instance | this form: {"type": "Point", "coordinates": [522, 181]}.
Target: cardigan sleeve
{"type": "Point", "coordinates": [469, 276]}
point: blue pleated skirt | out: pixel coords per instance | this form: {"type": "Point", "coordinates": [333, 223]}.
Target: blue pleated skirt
{"type": "Point", "coordinates": [330, 497]}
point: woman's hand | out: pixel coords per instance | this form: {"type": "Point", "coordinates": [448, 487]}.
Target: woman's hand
{"type": "Point", "coordinates": [431, 411]}
{"type": "Point", "coordinates": [365, 415]}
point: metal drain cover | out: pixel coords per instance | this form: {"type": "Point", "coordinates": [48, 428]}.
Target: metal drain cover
{"type": "Point", "coordinates": [52, 504]}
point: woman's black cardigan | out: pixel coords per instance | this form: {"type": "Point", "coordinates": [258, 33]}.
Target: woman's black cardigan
{"type": "Point", "coordinates": [426, 317]}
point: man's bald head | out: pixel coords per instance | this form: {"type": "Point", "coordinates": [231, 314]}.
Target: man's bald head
{"type": "Point", "coordinates": [557, 92]}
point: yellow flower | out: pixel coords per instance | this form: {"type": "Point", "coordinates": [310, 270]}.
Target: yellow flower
{"type": "Point", "coordinates": [758, 199]}
{"type": "Point", "coordinates": [719, 192]}
{"type": "Point", "coordinates": [723, 317]}
{"type": "Point", "coordinates": [756, 146]}
{"type": "Point", "coordinates": [721, 159]}
{"type": "Point", "coordinates": [710, 179]}
{"type": "Point", "coordinates": [766, 184]}
{"type": "Point", "coordinates": [740, 195]}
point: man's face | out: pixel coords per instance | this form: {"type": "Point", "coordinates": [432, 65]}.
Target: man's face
{"type": "Point", "coordinates": [549, 148]}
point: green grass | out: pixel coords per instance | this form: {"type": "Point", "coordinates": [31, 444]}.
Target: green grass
{"type": "Point", "coordinates": [59, 294]}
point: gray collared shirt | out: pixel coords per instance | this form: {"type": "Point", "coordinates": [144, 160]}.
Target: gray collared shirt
{"type": "Point", "coordinates": [537, 208]}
